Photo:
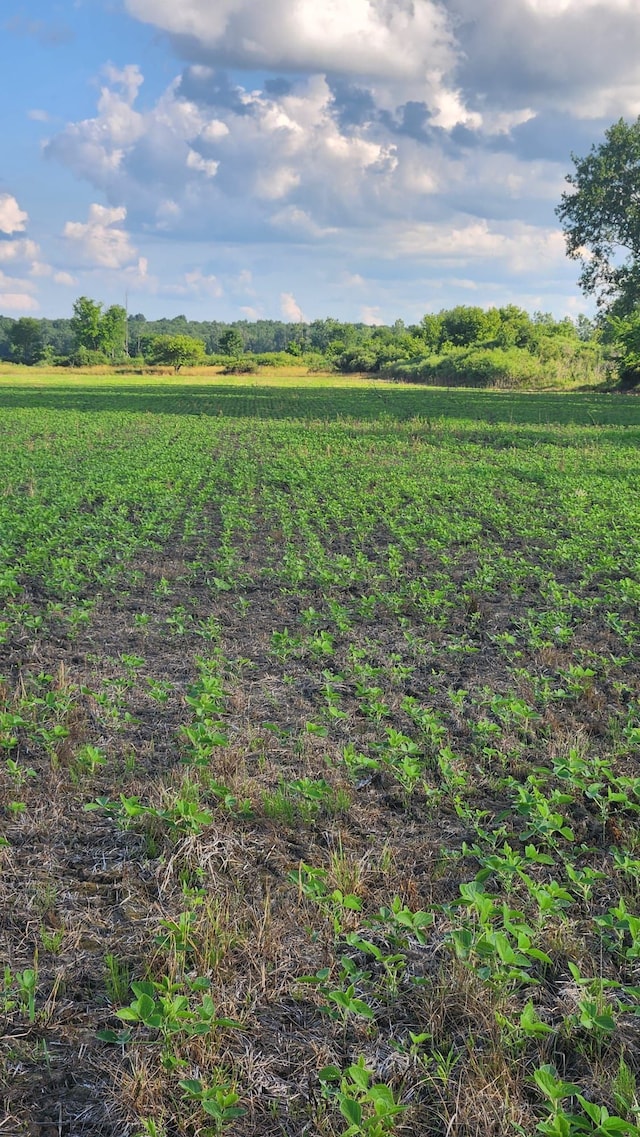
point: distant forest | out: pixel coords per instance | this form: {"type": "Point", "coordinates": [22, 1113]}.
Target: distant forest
{"type": "Point", "coordinates": [264, 336]}
{"type": "Point", "coordinates": [259, 336]}
{"type": "Point", "coordinates": [464, 345]}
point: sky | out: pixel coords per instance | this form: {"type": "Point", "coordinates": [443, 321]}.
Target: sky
{"type": "Point", "coordinates": [363, 159]}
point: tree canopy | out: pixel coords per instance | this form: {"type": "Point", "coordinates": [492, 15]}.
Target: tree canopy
{"type": "Point", "coordinates": [95, 330]}
{"type": "Point", "coordinates": [600, 216]}
{"type": "Point", "coordinates": [27, 341]}
{"type": "Point", "coordinates": [231, 343]}
{"type": "Point", "coordinates": [178, 351]}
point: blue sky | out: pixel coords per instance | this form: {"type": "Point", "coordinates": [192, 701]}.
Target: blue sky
{"type": "Point", "coordinates": [367, 159]}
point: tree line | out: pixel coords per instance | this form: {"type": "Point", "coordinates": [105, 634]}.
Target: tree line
{"type": "Point", "coordinates": [463, 340]}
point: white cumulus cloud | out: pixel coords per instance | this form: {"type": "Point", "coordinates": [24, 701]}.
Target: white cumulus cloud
{"type": "Point", "coordinates": [12, 218]}
{"type": "Point", "coordinates": [20, 250]}
{"type": "Point", "coordinates": [366, 37]}
{"type": "Point", "coordinates": [101, 240]}
{"type": "Point", "coordinates": [290, 308]}
{"type": "Point", "coordinates": [65, 278]}
{"type": "Point", "coordinates": [16, 294]}
{"type": "Point", "coordinates": [17, 302]}
{"type": "Point", "coordinates": [499, 55]}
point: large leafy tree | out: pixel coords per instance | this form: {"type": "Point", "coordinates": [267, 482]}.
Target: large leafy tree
{"type": "Point", "coordinates": [98, 330]}
{"type": "Point", "coordinates": [113, 331]}
{"type": "Point", "coordinates": [231, 343]}
{"type": "Point", "coordinates": [27, 341]}
{"type": "Point", "coordinates": [465, 325]}
{"type": "Point", "coordinates": [600, 216]}
{"type": "Point", "coordinates": [86, 323]}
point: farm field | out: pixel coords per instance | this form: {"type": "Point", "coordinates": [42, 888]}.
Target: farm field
{"type": "Point", "coordinates": [319, 770]}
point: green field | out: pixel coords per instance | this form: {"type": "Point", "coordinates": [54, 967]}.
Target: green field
{"type": "Point", "coordinates": [319, 779]}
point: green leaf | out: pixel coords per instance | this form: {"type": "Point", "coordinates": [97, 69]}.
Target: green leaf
{"type": "Point", "coordinates": [605, 1022]}
{"type": "Point", "coordinates": [212, 1109]}
{"type": "Point", "coordinates": [382, 1098]}
{"type": "Point", "coordinates": [535, 953]}
{"type": "Point", "coordinates": [330, 1074]}
{"type": "Point", "coordinates": [114, 1036]}
{"type": "Point", "coordinates": [531, 1024]}
{"type": "Point", "coordinates": [353, 903]}
{"type": "Point", "coordinates": [128, 1016]}
{"type": "Point", "coordinates": [590, 1108]}
{"type": "Point", "coordinates": [191, 1085]}
{"type": "Point", "coordinates": [340, 998]}
{"type": "Point", "coordinates": [143, 987]}
{"type": "Point", "coordinates": [146, 1007]}
{"type": "Point", "coordinates": [351, 1110]}
{"type": "Point", "coordinates": [462, 942]}
{"type": "Point", "coordinates": [360, 1075]}
{"type": "Point", "coordinates": [546, 1078]}
{"type": "Point", "coordinates": [361, 1008]}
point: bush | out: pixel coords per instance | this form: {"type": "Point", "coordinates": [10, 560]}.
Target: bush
{"type": "Point", "coordinates": [361, 358]}
{"type": "Point", "coordinates": [275, 359]}
{"type": "Point", "coordinates": [315, 361]}
{"type": "Point", "coordinates": [472, 367]}
{"type": "Point", "coordinates": [84, 357]}
{"type": "Point", "coordinates": [246, 365]}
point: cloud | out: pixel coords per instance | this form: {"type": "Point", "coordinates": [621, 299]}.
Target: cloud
{"type": "Point", "coordinates": [463, 282]}
{"type": "Point", "coordinates": [366, 37]}
{"type": "Point", "coordinates": [100, 240]}
{"type": "Point", "coordinates": [428, 63]}
{"type": "Point", "coordinates": [95, 148]}
{"type": "Point", "coordinates": [460, 59]}
{"type": "Point", "coordinates": [352, 280]}
{"type": "Point", "coordinates": [573, 55]}
{"type": "Point", "coordinates": [40, 268]}
{"type": "Point", "coordinates": [37, 115]}
{"type": "Point", "coordinates": [290, 308]}
{"type": "Point", "coordinates": [12, 218]}
{"type": "Point", "coordinates": [65, 278]}
{"type": "Point", "coordinates": [195, 161]}
{"type": "Point", "coordinates": [24, 255]}
{"type": "Point", "coordinates": [522, 247]}
{"type": "Point", "coordinates": [244, 282]}
{"type": "Point", "coordinates": [203, 284]}
{"type": "Point", "coordinates": [371, 315]}
{"type": "Point", "coordinates": [20, 250]}
{"type": "Point", "coordinates": [16, 295]}
{"type": "Point", "coordinates": [286, 165]}
{"type": "Point", "coordinates": [195, 284]}
{"type": "Point", "coordinates": [17, 302]}
{"type": "Point", "coordinates": [282, 167]}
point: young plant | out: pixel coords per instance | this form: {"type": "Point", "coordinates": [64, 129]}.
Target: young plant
{"type": "Point", "coordinates": [369, 1108]}
{"type": "Point", "coordinates": [219, 1102]}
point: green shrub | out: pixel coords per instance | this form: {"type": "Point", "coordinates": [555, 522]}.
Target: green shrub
{"type": "Point", "coordinates": [245, 365]}
{"type": "Point", "coordinates": [472, 367]}
{"type": "Point", "coordinates": [84, 357]}
{"type": "Point", "coordinates": [361, 358]}
{"type": "Point", "coordinates": [275, 359]}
